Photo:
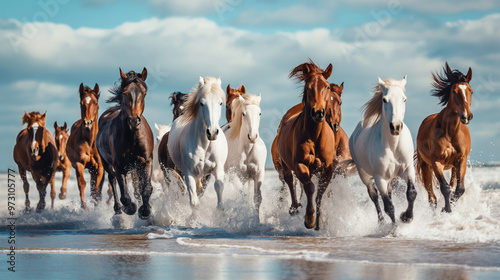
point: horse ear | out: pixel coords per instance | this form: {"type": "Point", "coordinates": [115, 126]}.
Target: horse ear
{"type": "Point", "coordinates": [122, 75]}
{"type": "Point", "coordinates": [260, 97]}
{"type": "Point", "coordinates": [380, 81]}
{"type": "Point", "coordinates": [26, 118]}
{"type": "Point", "coordinates": [219, 82]}
{"type": "Point", "coordinates": [65, 126]}
{"type": "Point", "coordinates": [328, 71]}
{"type": "Point", "coordinates": [81, 90]}
{"type": "Point", "coordinates": [341, 88]}
{"type": "Point", "coordinates": [447, 68]}
{"type": "Point", "coordinates": [96, 91]}
{"type": "Point", "coordinates": [403, 82]}
{"type": "Point", "coordinates": [144, 74]}
{"type": "Point", "coordinates": [469, 75]}
{"type": "Point", "coordinates": [243, 90]}
{"type": "Point", "coordinates": [201, 82]}
{"type": "Point", "coordinates": [55, 125]}
{"type": "Point", "coordinates": [228, 89]}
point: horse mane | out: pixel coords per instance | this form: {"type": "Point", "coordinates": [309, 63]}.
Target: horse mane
{"type": "Point", "coordinates": [236, 108]}
{"type": "Point", "coordinates": [443, 83]}
{"type": "Point", "coordinates": [34, 115]}
{"type": "Point", "coordinates": [117, 90]}
{"type": "Point", "coordinates": [373, 108]}
{"type": "Point", "coordinates": [177, 95]}
{"type": "Point", "coordinates": [193, 98]}
{"type": "Point", "coordinates": [303, 72]}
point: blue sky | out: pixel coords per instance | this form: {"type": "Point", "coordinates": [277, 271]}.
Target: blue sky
{"type": "Point", "coordinates": [47, 48]}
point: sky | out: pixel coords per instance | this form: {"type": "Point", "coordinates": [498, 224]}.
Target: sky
{"type": "Point", "coordinates": [49, 47]}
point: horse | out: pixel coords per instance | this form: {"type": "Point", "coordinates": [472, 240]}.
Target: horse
{"type": "Point", "coordinates": [382, 147]}
{"type": "Point", "coordinates": [333, 117]}
{"type": "Point", "coordinates": [304, 140]}
{"type": "Point", "coordinates": [248, 156]}
{"type": "Point", "coordinates": [125, 142]}
{"type": "Point", "coordinates": [161, 130]}
{"type": "Point", "coordinates": [231, 94]}
{"type": "Point", "coordinates": [36, 152]}
{"type": "Point", "coordinates": [63, 163]}
{"type": "Point", "coordinates": [443, 139]}
{"type": "Point", "coordinates": [81, 148]}
{"type": "Point", "coordinates": [195, 145]}
{"type": "Point", "coordinates": [177, 99]}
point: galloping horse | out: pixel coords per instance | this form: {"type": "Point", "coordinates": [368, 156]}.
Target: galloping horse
{"type": "Point", "coordinates": [63, 163]}
{"type": "Point", "coordinates": [177, 99]}
{"type": "Point", "coordinates": [81, 148]}
{"type": "Point", "coordinates": [333, 117]}
{"type": "Point", "coordinates": [231, 94]}
{"type": "Point", "coordinates": [36, 152]}
{"type": "Point", "coordinates": [125, 142]}
{"type": "Point", "coordinates": [305, 140]}
{"type": "Point", "coordinates": [248, 151]}
{"type": "Point", "coordinates": [443, 139]}
{"type": "Point", "coordinates": [195, 145]}
{"type": "Point", "coordinates": [382, 147]}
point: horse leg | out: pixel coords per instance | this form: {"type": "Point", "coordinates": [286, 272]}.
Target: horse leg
{"type": "Point", "coordinates": [411, 194]}
{"type": "Point", "coordinates": [219, 185]}
{"type": "Point", "coordinates": [52, 189]}
{"type": "Point", "coordinates": [191, 186]}
{"type": "Point", "coordinates": [135, 182]}
{"type": "Point", "coordinates": [80, 169]}
{"type": "Point", "coordinates": [383, 186]}
{"type": "Point", "coordinates": [427, 180]}
{"type": "Point", "coordinates": [146, 189]}
{"type": "Point", "coordinates": [324, 180]}
{"type": "Point", "coordinates": [288, 176]}
{"type": "Point", "coordinates": [26, 187]}
{"type": "Point", "coordinates": [257, 194]}
{"type": "Point", "coordinates": [309, 188]}
{"type": "Point", "coordinates": [460, 189]}
{"type": "Point", "coordinates": [64, 187]}
{"type": "Point", "coordinates": [99, 170]}
{"type": "Point", "coordinates": [41, 186]}
{"type": "Point", "coordinates": [128, 206]}
{"type": "Point", "coordinates": [112, 187]}
{"type": "Point", "coordinates": [445, 187]}
{"type": "Point", "coordinates": [373, 193]}
{"type": "Point", "coordinates": [453, 179]}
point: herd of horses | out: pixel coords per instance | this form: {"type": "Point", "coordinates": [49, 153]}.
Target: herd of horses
{"type": "Point", "coordinates": [309, 142]}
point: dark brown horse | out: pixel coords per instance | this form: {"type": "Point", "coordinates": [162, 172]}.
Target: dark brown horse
{"type": "Point", "coordinates": [36, 152]}
{"type": "Point", "coordinates": [177, 99]}
{"type": "Point", "coordinates": [81, 149]}
{"type": "Point", "coordinates": [305, 140]}
{"type": "Point", "coordinates": [125, 142]}
{"type": "Point", "coordinates": [443, 139]}
{"type": "Point", "coordinates": [63, 163]}
{"type": "Point", "coordinates": [231, 94]}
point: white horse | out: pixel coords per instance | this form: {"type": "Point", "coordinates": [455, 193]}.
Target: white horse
{"type": "Point", "coordinates": [248, 151]}
{"type": "Point", "coordinates": [382, 147]}
{"type": "Point", "coordinates": [161, 129]}
{"type": "Point", "coordinates": [195, 144]}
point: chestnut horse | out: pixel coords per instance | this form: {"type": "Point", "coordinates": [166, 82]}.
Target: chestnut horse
{"type": "Point", "coordinates": [443, 139]}
{"type": "Point", "coordinates": [125, 142]}
{"type": "Point", "coordinates": [36, 152]}
{"type": "Point", "coordinates": [304, 141]}
{"type": "Point", "coordinates": [81, 148]}
{"type": "Point", "coordinates": [231, 94]}
{"type": "Point", "coordinates": [333, 117]}
{"type": "Point", "coordinates": [63, 163]}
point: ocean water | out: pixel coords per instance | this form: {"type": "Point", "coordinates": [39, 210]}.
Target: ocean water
{"type": "Point", "coordinates": [239, 243]}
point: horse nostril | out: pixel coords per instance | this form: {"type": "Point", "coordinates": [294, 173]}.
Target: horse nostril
{"type": "Point", "coordinates": [470, 117]}
{"type": "Point", "coordinates": [208, 132]}
{"type": "Point", "coordinates": [138, 120]}
{"type": "Point", "coordinates": [217, 132]}
{"type": "Point", "coordinates": [392, 126]}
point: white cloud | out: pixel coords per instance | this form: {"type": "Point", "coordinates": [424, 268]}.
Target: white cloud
{"type": "Point", "coordinates": [300, 15]}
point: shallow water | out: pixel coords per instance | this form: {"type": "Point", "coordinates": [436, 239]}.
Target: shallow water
{"type": "Point", "coordinates": [69, 242]}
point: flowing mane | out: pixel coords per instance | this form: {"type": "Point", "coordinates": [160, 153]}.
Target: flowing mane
{"type": "Point", "coordinates": [177, 95]}
{"type": "Point", "coordinates": [236, 108]}
{"type": "Point", "coordinates": [193, 99]}
{"type": "Point", "coordinates": [117, 90]}
{"type": "Point", "coordinates": [305, 71]}
{"type": "Point", "coordinates": [373, 108]}
{"type": "Point", "coordinates": [443, 83]}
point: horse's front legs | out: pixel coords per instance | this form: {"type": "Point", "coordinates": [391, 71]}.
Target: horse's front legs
{"type": "Point", "coordinates": [191, 186]}
{"type": "Point", "coordinates": [64, 187]}
{"type": "Point", "coordinates": [26, 187]}
{"type": "Point", "coordinates": [411, 194]}
{"type": "Point", "coordinates": [460, 175]}
{"type": "Point", "coordinates": [80, 169]}
{"type": "Point", "coordinates": [257, 194]}
{"type": "Point", "coordinates": [41, 185]}
{"type": "Point", "coordinates": [304, 176]}
{"type": "Point", "coordinates": [219, 185]}
{"type": "Point", "coordinates": [324, 180]}
{"type": "Point", "coordinates": [445, 187]}
{"type": "Point", "coordinates": [288, 177]}
{"type": "Point", "coordinates": [383, 186]}
{"type": "Point", "coordinates": [128, 206]}
{"type": "Point", "coordinates": [146, 189]}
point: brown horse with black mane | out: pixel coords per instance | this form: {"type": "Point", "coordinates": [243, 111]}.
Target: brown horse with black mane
{"type": "Point", "coordinates": [36, 152]}
{"type": "Point", "coordinates": [231, 94]}
{"type": "Point", "coordinates": [305, 140]}
{"type": "Point", "coordinates": [443, 139]}
{"type": "Point", "coordinates": [125, 142]}
{"type": "Point", "coordinates": [81, 148]}
{"type": "Point", "coordinates": [61, 137]}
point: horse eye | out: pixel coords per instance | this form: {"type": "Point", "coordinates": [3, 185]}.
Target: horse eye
{"type": "Point", "coordinates": [243, 113]}
{"type": "Point", "coordinates": [260, 114]}
{"type": "Point", "coordinates": [340, 103]}
{"type": "Point", "coordinates": [201, 104]}
{"type": "Point", "coordinates": [221, 104]}
{"type": "Point", "coordinates": [385, 100]}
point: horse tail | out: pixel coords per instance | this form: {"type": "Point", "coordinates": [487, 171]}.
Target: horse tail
{"type": "Point", "coordinates": [418, 162]}
{"type": "Point", "coordinates": [346, 168]}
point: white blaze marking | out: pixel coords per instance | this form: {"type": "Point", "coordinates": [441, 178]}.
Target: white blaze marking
{"type": "Point", "coordinates": [60, 137]}
{"type": "Point", "coordinates": [35, 127]}
{"type": "Point", "coordinates": [181, 107]}
{"type": "Point", "coordinates": [87, 99]}
{"type": "Point", "coordinates": [463, 88]}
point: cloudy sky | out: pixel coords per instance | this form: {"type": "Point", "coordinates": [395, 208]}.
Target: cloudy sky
{"type": "Point", "coordinates": [49, 47]}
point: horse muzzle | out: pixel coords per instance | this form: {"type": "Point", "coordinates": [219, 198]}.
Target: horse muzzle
{"type": "Point", "coordinates": [396, 129]}
{"type": "Point", "coordinates": [87, 124]}
{"type": "Point", "coordinates": [318, 116]}
{"type": "Point", "coordinates": [134, 123]}
{"type": "Point", "coordinates": [336, 127]}
{"type": "Point", "coordinates": [466, 119]}
{"type": "Point", "coordinates": [212, 134]}
{"type": "Point", "coordinates": [61, 157]}
{"type": "Point", "coordinates": [34, 152]}
{"type": "Point", "coordinates": [253, 138]}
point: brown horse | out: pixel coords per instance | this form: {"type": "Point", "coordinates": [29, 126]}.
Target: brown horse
{"type": "Point", "coordinates": [63, 163]}
{"type": "Point", "coordinates": [304, 141]}
{"type": "Point", "coordinates": [177, 99]}
{"type": "Point", "coordinates": [231, 94]}
{"type": "Point", "coordinates": [333, 117]}
{"type": "Point", "coordinates": [36, 152]}
{"type": "Point", "coordinates": [443, 139]}
{"type": "Point", "coordinates": [125, 142]}
{"type": "Point", "coordinates": [81, 149]}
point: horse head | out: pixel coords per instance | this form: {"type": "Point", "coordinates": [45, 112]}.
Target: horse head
{"type": "Point", "coordinates": [334, 113]}
{"type": "Point", "coordinates": [231, 94]}
{"type": "Point", "coordinates": [461, 97]}
{"type": "Point", "coordinates": [246, 113]}
{"type": "Point", "coordinates": [89, 105]}
{"type": "Point", "coordinates": [133, 91]}
{"type": "Point", "coordinates": [177, 99]}
{"type": "Point", "coordinates": [36, 129]}
{"type": "Point", "coordinates": [393, 99]}
{"type": "Point", "coordinates": [211, 100]}
{"type": "Point", "coordinates": [316, 89]}
{"type": "Point", "coordinates": [61, 138]}
{"type": "Point", "coordinates": [161, 130]}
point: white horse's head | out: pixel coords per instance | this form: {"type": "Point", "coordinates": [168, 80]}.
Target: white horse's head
{"type": "Point", "coordinates": [161, 129]}
{"type": "Point", "coordinates": [211, 99]}
{"type": "Point", "coordinates": [393, 99]}
{"type": "Point", "coordinates": [246, 114]}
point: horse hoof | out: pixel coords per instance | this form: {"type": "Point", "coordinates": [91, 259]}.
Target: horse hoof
{"type": "Point", "coordinates": [405, 218]}
{"type": "Point", "coordinates": [40, 207]}
{"type": "Point", "coordinates": [310, 222]}
{"type": "Point", "coordinates": [446, 210]}
{"type": "Point", "coordinates": [144, 212]}
{"type": "Point", "coordinates": [27, 210]}
{"type": "Point", "coordinates": [130, 209]}
{"type": "Point", "coordinates": [62, 196]}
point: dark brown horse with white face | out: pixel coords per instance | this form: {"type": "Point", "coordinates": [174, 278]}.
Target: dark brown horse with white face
{"type": "Point", "coordinates": [305, 140]}
{"type": "Point", "coordinates": [63, 163]}
{"type": "Point", "coordinates": [443, 139]}
{"type": "Point", "coordinates": [231, 94]}
{"type": "Point", "coordinates": [81, 148]}
{"type": "Point", "coordinates": [36, 152]}
{"type": "Point", "coordinates": [125, 142]}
